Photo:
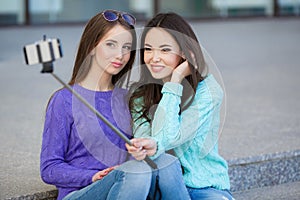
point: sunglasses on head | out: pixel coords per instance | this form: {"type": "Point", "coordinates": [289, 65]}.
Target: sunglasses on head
{"type": "Point", "coordinates": [113, 15]}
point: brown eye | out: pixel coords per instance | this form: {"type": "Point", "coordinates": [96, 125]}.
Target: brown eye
{"type": "Point", "coordinates": [110, 44]}
{"type": "Point", "coordinates": [126, 48]}
{"type": "Point", "coordinates": [166, 50]}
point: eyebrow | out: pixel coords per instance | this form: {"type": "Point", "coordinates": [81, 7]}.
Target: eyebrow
{"type": "Point", "coordinates": [161, 46]}
{"type": "Point", "coordinates": [110, 40]}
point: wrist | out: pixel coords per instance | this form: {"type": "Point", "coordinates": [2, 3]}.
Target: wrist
{"type": "Point", "coordinates": [176, 78]}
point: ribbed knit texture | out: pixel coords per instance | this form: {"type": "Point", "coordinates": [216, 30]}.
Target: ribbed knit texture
{"type": "Point", "coordinates": [193, 134]}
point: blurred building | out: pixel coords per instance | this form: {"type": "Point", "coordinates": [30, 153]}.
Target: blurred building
{"type": "Point", "coordinates": [21, 12]}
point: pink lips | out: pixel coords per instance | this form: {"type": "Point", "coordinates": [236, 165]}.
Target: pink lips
{"type": "Point", "coordinates": [156, 68]}
{"type": "Point", "coordinates": [117, 64]}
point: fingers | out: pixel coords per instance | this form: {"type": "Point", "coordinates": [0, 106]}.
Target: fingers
{"type": "Point", "coordinates": [137, 151]}
{"type": "Point", "coordinates": [101, 174]}
{"type": "Point", "coordinates": [194, 60]}
{"type": "Point", "coordinates": [180, 72]}
{"type": "Point", "coordinates": [144, 143]}
{"type": "Point", "coordinates": [140, 155]}
{"type": "Point", "coordinates": [141, 147]}
{"type": "Point", "coordinates": [134, 147]}
{"type": "Point", "coordinates": [97, 176]}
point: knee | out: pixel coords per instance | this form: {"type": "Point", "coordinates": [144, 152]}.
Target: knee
{"type": "Point", "coordinates": [166, 160]}
{"type": "Point", "coordinates": [136, 179]}
{"type": "Point", "coordinates": [137, 169]}
{"type": "Point", "coordinates": [134, 166]}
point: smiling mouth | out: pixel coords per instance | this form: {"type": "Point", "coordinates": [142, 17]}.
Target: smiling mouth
{"type": "Point", "coordinates": [117, 64]}
{"type": "Point", "coordinates": [156, 68]}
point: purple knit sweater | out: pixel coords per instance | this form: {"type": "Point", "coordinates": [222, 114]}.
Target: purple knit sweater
{"type": "Point", "coordinates": [76, 144]}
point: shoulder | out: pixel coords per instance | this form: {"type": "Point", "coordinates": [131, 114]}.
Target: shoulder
{"type": "Point", "coordinates": [209, 89]}
{"type": "Point", "coordinates": [120, 91]}
{"type": "Point", "coordinates": [60, 99]}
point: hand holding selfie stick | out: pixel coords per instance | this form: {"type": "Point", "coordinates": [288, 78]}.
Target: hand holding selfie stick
{"type": "Point", "coordinates": [47, 51]}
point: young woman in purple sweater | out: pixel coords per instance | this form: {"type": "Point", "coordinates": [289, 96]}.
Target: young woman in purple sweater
{"type": "Point", "coordinates": [80, 154]}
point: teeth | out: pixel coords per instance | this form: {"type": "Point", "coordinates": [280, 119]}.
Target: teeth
{"type": "Point", "coordinates": [156, 68]}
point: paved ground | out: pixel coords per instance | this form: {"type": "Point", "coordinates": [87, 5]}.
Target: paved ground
{"type": "Point", "coordinates": [288, 191]}
{"type": "Point", "coordinates": [258, 61]}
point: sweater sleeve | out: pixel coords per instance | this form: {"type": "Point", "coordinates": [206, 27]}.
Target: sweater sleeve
{"type": "Point", "coordinates": [199, 122]}
{"type": "Point", "coordinates": [54, 168]}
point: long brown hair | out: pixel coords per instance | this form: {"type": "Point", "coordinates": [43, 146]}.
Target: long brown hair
{"type": "Point", "coordinates": [147, 88]}
{"type": "Point", "coordinates": [94, 31]}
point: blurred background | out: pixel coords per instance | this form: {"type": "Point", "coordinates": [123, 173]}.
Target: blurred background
{"type": "Point", "coordinates": [31, 12]}
{"type": "Point", "coordinates": [254, 43]}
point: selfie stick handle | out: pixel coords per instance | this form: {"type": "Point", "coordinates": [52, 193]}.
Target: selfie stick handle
{"type": "Point", "coordinates": [147, 159]}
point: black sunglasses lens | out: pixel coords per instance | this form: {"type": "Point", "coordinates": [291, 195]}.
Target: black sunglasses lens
{"type": "Point", "coordinates": [110, 16]}
{"type": "Point", "coordinates": [129, 19]}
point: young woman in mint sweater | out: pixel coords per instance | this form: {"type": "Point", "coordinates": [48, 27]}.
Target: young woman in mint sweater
{"type": "Point", "coordinates": [176, 105]}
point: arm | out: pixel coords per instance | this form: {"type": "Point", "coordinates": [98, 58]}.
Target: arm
{"type": "Point", "coordinates": [201, 119]}
{"type": "Point", "coordinates": [169, 129]}
{"type": "Point", "coordinates": [53, 165]}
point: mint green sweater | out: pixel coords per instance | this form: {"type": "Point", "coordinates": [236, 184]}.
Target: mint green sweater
{"type": "Point", "coordinates": [193, 134]}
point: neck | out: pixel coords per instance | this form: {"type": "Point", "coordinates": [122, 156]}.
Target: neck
{"type": "Point", "coordinates": [96, 86]}
{"type": "Point", "coordinates": [97, 80]}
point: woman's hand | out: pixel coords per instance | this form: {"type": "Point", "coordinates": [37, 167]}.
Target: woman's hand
{"type": "Point", "coordinates": [142, 147]}
{"type": "Point", "coordinates": [99, 175]}
{"type": "Point", "coordinates": [180, 72]}
{"type": "Point", "coordinates": [183, 70]}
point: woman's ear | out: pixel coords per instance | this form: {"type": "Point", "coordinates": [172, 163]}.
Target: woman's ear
{"type": "Point", "coordinates": [92, 52]}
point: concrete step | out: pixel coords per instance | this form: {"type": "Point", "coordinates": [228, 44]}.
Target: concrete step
{"type": "Point", "coordinates": [269, 176]}
{"type": "Point", "coordinates": [264, 170]}
{"type": "Point", "coordinates": [287, 191]}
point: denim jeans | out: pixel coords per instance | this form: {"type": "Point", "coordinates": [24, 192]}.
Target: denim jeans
{"type": "Point", "coordinates": [209, 193]}
{"type": "Point", "coordinates": [136, 180]}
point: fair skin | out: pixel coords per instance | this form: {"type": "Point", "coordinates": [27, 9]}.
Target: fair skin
{"type": "Point", "coordinates": [162, 56]}
{"type": "Point", "coordinates": [108, 58]}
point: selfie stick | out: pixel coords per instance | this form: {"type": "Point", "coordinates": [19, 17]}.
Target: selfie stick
{"type": "Point", "coordinates": [46, 52]}
{"type": "Point", "coordinates": [98, 114]}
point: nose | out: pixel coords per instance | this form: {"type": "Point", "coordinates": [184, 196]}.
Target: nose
{"type": "Point", "coordinates": [119, 53]}
{"type": "Point", "coordinates": [156, 56]}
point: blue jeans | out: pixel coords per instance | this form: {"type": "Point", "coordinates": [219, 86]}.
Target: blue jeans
{"type": "Point", "coordinates": [136, 180]}
{"type": "Point", "coordinates": [209, 193]}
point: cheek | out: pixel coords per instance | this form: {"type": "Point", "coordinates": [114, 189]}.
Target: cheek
{"type": "Point", "coordinates": [146, 58]}
{"type": "Point", "coordinates": [126, 57]}
{"type": "Point", "coordinates": [172, 61]}
{"type": "Point", "coordinates": [103, 53]}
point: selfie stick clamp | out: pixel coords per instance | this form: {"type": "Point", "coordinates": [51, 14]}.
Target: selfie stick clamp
{"type": "Point", "coordinates": [53, 48]}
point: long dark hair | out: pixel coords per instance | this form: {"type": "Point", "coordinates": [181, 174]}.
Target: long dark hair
{"type": "Point", "coordinates": [147, 88]}
{"type": "Point", "coordinates": [94, 31]}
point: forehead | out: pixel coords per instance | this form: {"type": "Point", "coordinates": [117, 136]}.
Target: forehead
{"type": "Point", "coordinates": [119, 34]}
{"type": "Point", "coordinates": [159, 36]}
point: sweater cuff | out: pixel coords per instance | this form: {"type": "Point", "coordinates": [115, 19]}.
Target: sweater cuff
{"type": "Point", "coordinates": [159, 149]}
{"type": "Point", "coordinates": [89, 177]}
{"type": "Point", "coordinates": [174, 88]}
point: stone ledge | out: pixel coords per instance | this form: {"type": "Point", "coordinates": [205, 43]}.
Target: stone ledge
{"type": "Point", "coordinates": [245, 173]}
{"type": "Point", "coordinates": [263, 158]}
{"type": "Point", "coordinates": [48, 195]}
{"type": "Point", "coordinates": [264, 170]}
